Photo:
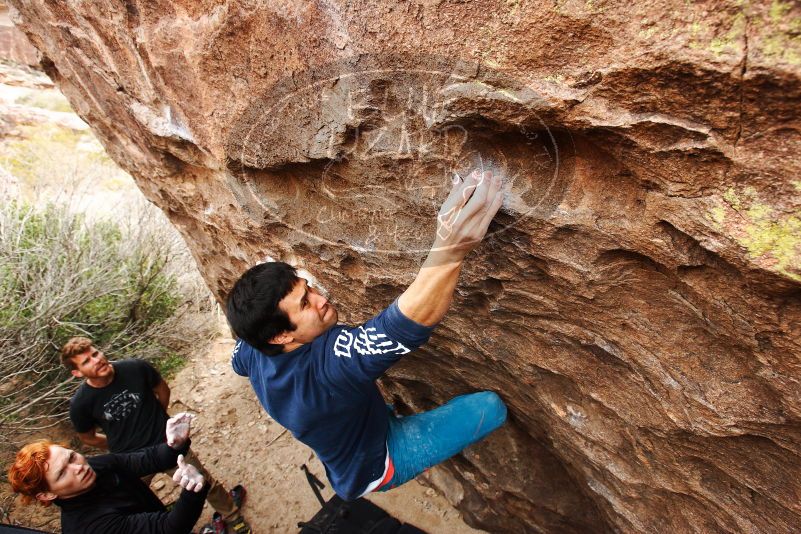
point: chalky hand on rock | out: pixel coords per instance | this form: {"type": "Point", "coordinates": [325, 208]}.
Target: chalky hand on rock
{"type": "Point", "coordinates": [465, 216]}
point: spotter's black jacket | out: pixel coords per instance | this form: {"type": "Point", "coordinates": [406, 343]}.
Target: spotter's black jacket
{"type": "Point", "coordinates": [121, 503]}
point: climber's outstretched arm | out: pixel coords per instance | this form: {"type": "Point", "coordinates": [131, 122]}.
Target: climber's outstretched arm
{"type": "Point", "coordinates": [462, 223]}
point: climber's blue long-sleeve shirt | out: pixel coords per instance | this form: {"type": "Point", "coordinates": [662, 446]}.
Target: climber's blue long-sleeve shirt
{"type": "Point", "coordinates": [324, 392]}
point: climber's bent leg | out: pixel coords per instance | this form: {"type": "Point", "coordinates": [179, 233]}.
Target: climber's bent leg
{"type": "Point", "coordinates": [420, 441]}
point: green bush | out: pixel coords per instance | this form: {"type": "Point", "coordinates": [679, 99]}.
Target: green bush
{"type": "Point", "coordinates": [62, 274]}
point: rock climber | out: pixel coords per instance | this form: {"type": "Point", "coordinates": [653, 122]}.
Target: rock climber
{"type": "Point", "coordinates": [317, 378]}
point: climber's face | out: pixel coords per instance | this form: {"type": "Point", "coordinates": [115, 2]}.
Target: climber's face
{"type": "Point", "coordinates": [309, 311]}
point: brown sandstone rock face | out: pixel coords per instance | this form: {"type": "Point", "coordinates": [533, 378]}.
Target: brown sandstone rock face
{"type": "Point", "coordinates": [14, 46]}
{"type": "Point", "coordinates": [638, 302]}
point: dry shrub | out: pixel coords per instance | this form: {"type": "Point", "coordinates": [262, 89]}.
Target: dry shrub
{"type": "Point", "coordinates": [130, 285]}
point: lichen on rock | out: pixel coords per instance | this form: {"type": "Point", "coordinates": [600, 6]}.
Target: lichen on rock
{"type": "Point", "coordinates": [771, 237]}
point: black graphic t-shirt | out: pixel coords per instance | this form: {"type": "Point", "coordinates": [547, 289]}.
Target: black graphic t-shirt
{"type": "Point", "coordinates": [126, 410]}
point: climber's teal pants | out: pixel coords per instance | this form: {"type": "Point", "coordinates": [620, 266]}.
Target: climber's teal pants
{"type": "Point", "coordinates": [420, 441]}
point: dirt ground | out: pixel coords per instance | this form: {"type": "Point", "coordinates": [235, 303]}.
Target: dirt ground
{"type": "Point", "coordinates": [239, 443]}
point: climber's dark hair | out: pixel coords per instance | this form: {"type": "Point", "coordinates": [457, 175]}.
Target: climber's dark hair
{"type": "Point", "coordinates": [252, 307]}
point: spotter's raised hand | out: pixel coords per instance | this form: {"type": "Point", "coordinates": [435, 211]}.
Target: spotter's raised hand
{"type": "Point", "coordinates": [187, 476]}
{"type": "Point", "coordinates": [177, 430]}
